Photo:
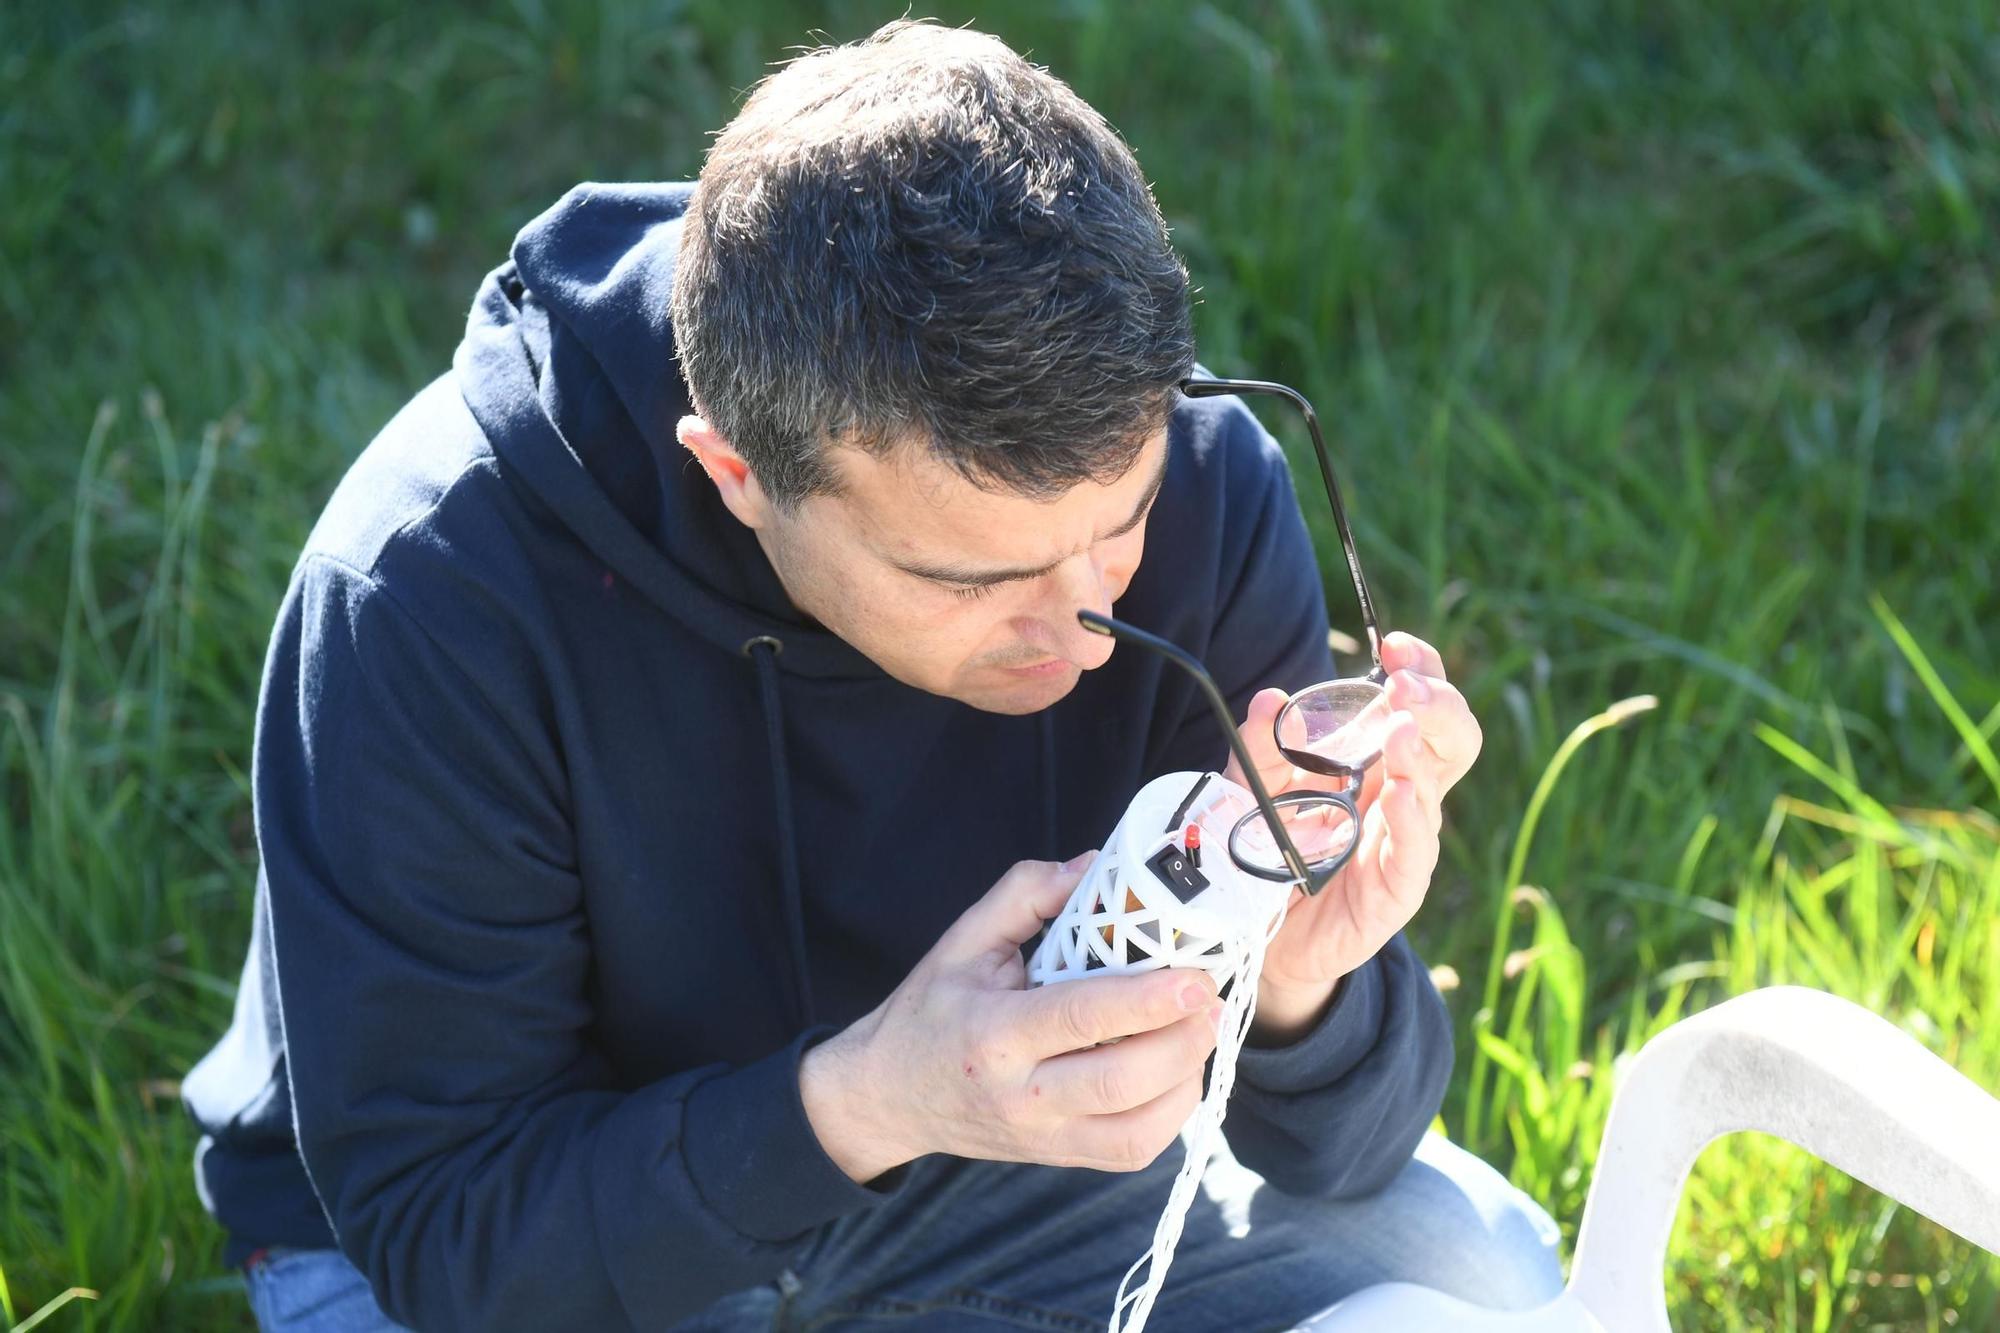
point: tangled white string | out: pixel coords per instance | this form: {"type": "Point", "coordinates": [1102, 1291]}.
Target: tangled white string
{"type": "Point", "coordinates": [1202, 1131]}
{"type": "Point", "coordinates": [1134, 912]}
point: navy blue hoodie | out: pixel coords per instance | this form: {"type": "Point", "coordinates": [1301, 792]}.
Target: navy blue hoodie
{"type": "Point", "coordinates": [563, 869]}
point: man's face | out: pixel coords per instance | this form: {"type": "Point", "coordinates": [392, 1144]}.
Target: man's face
{"type": "Point", "coordinates": [960, 591]}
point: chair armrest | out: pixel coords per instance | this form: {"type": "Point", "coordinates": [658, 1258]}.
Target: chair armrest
{"type": "Point", "coordinates": [1810, 1068]}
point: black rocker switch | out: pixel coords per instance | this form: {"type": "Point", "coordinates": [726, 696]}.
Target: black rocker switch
{"type": "Point", "coordinates": [1170, 863]}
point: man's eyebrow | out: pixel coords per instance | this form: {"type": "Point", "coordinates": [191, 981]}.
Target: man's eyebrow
{"type": "Point", "coordinates": [979, 578]}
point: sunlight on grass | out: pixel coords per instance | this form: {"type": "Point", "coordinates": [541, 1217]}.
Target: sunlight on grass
{"type": "Point", "coordinates": [1555, 946]}
{"type": "Point", "coordinates": [58, 1302]}
{"type": "Point", "coordinates": [1896, 909]}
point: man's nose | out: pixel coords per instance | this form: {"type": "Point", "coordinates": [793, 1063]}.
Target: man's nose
{"type": "Point", "coordinates": [1081, 586]}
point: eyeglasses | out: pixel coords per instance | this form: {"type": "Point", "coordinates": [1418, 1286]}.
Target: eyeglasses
{"type": "Point", "coordinates": [1334, 729]}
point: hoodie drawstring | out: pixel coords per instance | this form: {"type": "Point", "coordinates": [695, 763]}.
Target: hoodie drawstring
{"type": "Point", "coordinates": [1049, 848]}
{"type": "Point", "coordinates": [764, 650]}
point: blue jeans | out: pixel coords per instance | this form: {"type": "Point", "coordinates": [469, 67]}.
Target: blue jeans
{"type": "Point", "coordinates": [984, 1246]}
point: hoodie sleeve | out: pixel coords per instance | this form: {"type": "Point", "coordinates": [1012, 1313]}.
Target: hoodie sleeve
{"type": "Point", "coordinates": [1339, 1112]}
{"type": "Point", "coordinates": [471, 1148]}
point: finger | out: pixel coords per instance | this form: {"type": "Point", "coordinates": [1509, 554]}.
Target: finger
{"type": "Point", "coordinates": [1400, 740]}
{"type": "Point", "coordinates": [1108, 1079]}
{"type": "Point", "coordinates": [1076, 1015]}
{"type": "Point", "coordinates": [1015, 907]}
{"type": "Point", "coordinates": [1408, 853]}
{"type": "Point", "coordinates": [1259, 733]}
{"type": "Point", "coordinates": [1129, 1140]}
{"type": "Point", "coordinates": [1449, 728]}
{"type": "Point", "coordinates": [1402, 651]}
{"type": "Point", "coordinates": [1406, 757]}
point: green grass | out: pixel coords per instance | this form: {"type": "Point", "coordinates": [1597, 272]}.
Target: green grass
{"type": "Point", "coordinates": [1660, 345]}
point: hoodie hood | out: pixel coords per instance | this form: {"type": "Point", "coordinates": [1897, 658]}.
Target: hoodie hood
{"type": "Point", "coordinates": [568, 366]}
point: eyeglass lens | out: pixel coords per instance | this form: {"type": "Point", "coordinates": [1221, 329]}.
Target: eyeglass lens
{"type": "Point", "coordinates": [1335, 728]}
{"type": "Point", "coordinates": [1321, 827]}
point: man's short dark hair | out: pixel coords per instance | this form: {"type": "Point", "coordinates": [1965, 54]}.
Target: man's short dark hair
{"type": "Point", "coordinates": [922, 237]}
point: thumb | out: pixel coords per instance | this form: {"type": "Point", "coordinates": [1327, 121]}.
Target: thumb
{"type": "Point", "coordinates": [1015, 907]}
{"type": "Point", "coordinates": [1260, 737]}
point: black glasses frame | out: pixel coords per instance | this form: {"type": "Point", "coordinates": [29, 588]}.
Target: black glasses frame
{"type": "Point", "coordinates": [1309, 878]}
{"type": "Point", "coordinates": [1369, 622]}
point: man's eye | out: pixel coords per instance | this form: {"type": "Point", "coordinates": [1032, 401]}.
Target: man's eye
{"type": "Point", "coordinates": [974, 591]}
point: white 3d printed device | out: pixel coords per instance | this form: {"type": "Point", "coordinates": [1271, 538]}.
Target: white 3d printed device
{"type": "Point", "coordinates": [1153, 899]}
{"type": "Point", "coordinates": [1157, 896]}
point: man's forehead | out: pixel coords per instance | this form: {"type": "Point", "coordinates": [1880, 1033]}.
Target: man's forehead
{"type": "Point", "coordinates": [909, 494]}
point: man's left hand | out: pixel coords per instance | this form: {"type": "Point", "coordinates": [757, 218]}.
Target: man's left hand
{"type": "Point", "coordinates": [1430, 743]}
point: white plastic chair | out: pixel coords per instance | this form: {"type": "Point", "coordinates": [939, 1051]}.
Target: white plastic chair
{"type": "Point", "coordinates": [1805, 1066]}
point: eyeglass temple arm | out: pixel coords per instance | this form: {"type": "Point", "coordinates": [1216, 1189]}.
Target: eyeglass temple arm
{"type": "Point", "coordinates": [1187, 662]}
{"type": "Point", "coordinates": [1218, 388]}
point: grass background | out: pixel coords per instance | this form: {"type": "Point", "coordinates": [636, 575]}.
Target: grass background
{"type": "Point", "coordinates": [1657, 342]}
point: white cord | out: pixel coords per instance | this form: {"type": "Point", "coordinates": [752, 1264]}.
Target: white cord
{"type": "Point", "coordinates": [1203, 1128]}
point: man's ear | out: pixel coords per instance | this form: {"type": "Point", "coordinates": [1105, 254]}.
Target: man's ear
{"type": "Point", "coordinates": [734, 481]}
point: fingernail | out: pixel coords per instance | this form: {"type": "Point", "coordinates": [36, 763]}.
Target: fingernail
{"type": "Point", "coordinates": [1414, 687]}
{"type": "Point", "coordinates": [1195, 996]}
{"type": "Point", "coordinates": [1079, 861]}
{"type": "Point", "coordinates": [1215, 1018]}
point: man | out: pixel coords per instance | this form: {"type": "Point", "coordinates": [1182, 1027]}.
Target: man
{"type": "Point", "coordinates": [661, 691]}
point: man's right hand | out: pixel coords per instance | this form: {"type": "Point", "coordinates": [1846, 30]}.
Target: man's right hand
{"type": "Point", "coordinates": [962, 1059]}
